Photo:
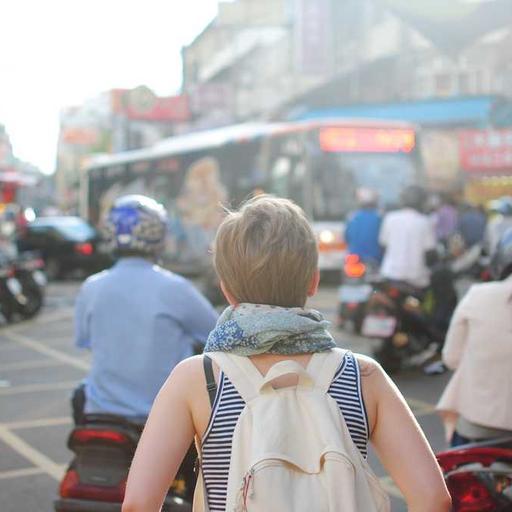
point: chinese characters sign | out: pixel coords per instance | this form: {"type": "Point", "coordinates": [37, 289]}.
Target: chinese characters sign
{"type": "Point", "coordinates": [486, 150]}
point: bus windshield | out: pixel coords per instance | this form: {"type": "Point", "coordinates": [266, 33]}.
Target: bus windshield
{"type": "Point", "coordinates": [336, 177]}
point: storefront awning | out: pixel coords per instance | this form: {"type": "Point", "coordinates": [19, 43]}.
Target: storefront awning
{"type": "Point", "coordinates": [466, 111]}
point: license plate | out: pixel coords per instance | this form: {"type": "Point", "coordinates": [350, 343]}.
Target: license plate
{"type": "Point", "coordinates": [375, 326]}
{"type": "Point", "coordinates": [14, 286]}
{"type": "Point", "coordinates": [355, 293]}
{"type": "Point", "coordinates": [40, 278]}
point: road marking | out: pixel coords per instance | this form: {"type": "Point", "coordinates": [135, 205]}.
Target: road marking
{"type": "Point", "coordinates": [29, 365]}
{"type": "Point", "coordinates": [43, 422]}
{"type": "Point", "coordinates": [45, 318]}
{"type": "Point", "coordinates": [47, 351]}
{"type": "Point", "coordinates": [16, 473]}
{"type": "Point", "coordinates": [35, 388]}
{"type": "Point", "coordinates": [37, 458]}
{"type": "Point", "coordinates": [422, 408]}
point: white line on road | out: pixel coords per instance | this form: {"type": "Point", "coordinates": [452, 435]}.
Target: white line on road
{"type": "Point", "coordinates": [35, 388]}
{"type": "Point", "coordinates": [420, 406]}
{"type": "Point", "coordinates": [29, 365]}
{"type": "Point", "coordinates": [31, 454]}
{"type": "Point", "coordinates": [46, 318]}
{"type": "Point", "coordinates": [47, 351]}
{"type": "Point", "coordinates": [43, 422]}
{"type": "Point", "coordinates": [16, 473]}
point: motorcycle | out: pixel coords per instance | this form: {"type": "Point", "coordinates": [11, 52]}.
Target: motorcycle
{"type": "Point", "coordinates": [95, 481]}
{"type": "Point", "coordinates": [479, 476]}
{"type": "Point", "coordinates": [411, 323]}
{"type": "Point", "coordinates": [394, 315]}
{"type": "Point", "coordinates": [354, 292]}
{"type": "Point", "coordinates": [29, 272]}
{"type": "Point", "coordinates": [11, 290]}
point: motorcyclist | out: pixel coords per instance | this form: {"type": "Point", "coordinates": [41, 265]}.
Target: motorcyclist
{"type": "Point", "coordinates": [137, 319]}
{"type": "Point", "coordinates": [408, 239]}
{"type": "Point", "coordinates": [363, 226]}
{"type": "Point", "coordinates": [475, 405]}
{"type": "Point", "coordinates": [501, 221]}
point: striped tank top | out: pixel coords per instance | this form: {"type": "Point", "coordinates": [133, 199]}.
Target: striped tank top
{"type": "Point", "coordinates": [345, 389]}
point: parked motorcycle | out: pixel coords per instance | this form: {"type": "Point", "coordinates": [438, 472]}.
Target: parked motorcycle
{"type": "Point", "coordinates": [479, 476]}
{"type": "Point", "coordinates": [354, 292]}
{"type": "Point", "coordinates": [29, 270]}
{"type": "Point", "coordinates": [95, 480]}
{"type": "Point", "coordinates": [11, 295]}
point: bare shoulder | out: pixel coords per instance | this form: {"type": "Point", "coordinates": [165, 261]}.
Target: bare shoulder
{"type": "Point", "coordinates": [186, 375]}
{"type": "Point", "coordinates": [191, 367]}
{"type": "Point", "coordinates": [367, 366]}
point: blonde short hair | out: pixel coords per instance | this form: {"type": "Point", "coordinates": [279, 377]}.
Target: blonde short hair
{"type": "Point", "coordinates": [266, 253]}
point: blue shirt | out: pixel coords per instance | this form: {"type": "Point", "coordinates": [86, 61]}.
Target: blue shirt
{"type": "Point", "coordinates": [139, 321]}
{"type": "Point", "coordinates": [362, 234]}
{"type": "Point", "coordinates": [472, 226]}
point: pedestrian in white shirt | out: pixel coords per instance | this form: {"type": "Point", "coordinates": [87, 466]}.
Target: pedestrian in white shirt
{"type": "Point", "coordinates": [476, 402]}
{"type": "Point", "coordinates": [407, 236]}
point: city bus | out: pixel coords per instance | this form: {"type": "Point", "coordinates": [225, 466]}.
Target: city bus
{"type": "Point", "coordinates": [318, 164]}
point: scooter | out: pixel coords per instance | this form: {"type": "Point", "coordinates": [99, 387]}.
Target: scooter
{"type": "Point", "coordinates": [95, 481]}
{"type": "Point", "coordinates": [11, 290]}
{"type": "Point", "coordinates": [29, 270]}
{"type": "Point", "coordinates": [479, 476]}
{"type": "Point", "coordinates": [354, 293]}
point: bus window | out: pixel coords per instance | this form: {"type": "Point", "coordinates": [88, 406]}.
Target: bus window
{"type": "Point", "coordinates": [298, 183]}
{"type": "Point", "coordinates": [334, 189]}
{"type": "Point", "coordinates": [280, 177]}
{"type": "Point", "coordinates": [388, 174]}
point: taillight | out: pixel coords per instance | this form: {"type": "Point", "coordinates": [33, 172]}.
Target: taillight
{"type": "Point", "coordinates": [478, 478]}
{"type": "Point", "coordinates": [71, 487]}
{"type": "Point", "coordinates": [86, 249]}
{"type": "Point", "coordinates": [88, 435]}
{"type": "Point", "coordinates": [11, 272]}
{"type": "Point", "coordinates": [354, 267]}
{"type": "Point", "coordinates": [394, 293]}
{"type": "Point", "coordinates": [469, 494]}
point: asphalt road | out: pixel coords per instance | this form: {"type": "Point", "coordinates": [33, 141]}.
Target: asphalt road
{"type": "Point", "coordinates": [39, 367]}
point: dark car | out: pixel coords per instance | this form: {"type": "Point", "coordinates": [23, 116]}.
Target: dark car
{"type": "Point", "coordinates": [67, 245]}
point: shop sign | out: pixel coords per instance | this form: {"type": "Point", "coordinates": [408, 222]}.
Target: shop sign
{"type": "Point", "coordinates": [142, 104]}
{"type": "Point", "coordinates": [486, 150]}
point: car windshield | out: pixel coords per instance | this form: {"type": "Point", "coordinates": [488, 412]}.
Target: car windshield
{"type": "Point", "coordinates": [337, 178]}
{"type": "Point", "coordinates": [71, 228]}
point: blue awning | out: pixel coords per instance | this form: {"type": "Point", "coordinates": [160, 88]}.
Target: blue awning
{"type": "Point", "coordinates": [456, 111]}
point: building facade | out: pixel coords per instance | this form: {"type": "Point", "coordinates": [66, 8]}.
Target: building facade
{"type": "Point", "coordinates": [261, 57]}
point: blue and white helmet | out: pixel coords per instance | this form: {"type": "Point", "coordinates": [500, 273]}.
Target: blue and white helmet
{"type": "Point", "coordinates": [136, 224]}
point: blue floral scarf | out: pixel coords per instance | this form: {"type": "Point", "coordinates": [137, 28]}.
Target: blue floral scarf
{"type": "Point", "coordinates": [250, 329]}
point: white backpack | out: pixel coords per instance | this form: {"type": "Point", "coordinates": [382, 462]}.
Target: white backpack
{"type": "Point", "coordinates": [291, 450]}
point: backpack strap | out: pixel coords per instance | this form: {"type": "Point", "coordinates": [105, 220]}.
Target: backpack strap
{"type": "Point", "coordinates": [323, 367]}
{"type": "Point", "coordinates": [241, 372]}
{"type": "Point", "coordinates": [249, 382]}
{"type": "Point", "coordinates": [211, 385]}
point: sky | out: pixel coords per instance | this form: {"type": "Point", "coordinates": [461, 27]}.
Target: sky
{"type": "Point", "coordinates": [58, 53]}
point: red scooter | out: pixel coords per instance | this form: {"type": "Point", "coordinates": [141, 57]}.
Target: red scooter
{"type": "Point", "coordinates": [479, 476]}
{"type": "Point", "coordinates": [103, 448]}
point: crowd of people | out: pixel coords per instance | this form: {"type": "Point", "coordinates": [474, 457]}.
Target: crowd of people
{"type": "Point", "coordinates": [457, 226]}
